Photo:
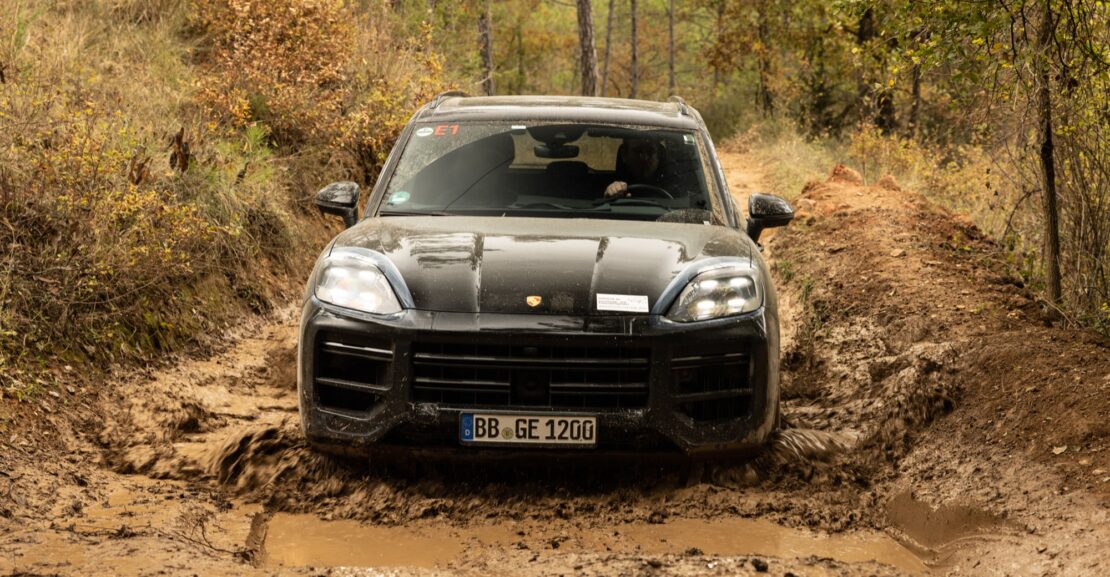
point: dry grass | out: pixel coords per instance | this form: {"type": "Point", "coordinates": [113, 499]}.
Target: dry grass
{"type": "Point", "coordinates": [122, 241]}
{"type": "Point", "coordinates": [110, 248]}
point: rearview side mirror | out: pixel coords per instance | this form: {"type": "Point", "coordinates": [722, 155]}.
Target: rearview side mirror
{"type": "Point", "coordinates": [767, 211]}
{"type": "Point", "coordinates": [340, 198]}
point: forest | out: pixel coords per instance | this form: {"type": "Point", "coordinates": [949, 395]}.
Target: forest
{"type": "Point", "coordinates": [934, 325]}
{"type": "Point", "coordinates": [163, 152]}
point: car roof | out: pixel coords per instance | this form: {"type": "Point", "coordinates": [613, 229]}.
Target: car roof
{"type": "Point", "coordinates": [672, 114]}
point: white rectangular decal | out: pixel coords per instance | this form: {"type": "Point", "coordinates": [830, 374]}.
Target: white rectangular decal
{"type": "Point", "coordinates": [622, 303]}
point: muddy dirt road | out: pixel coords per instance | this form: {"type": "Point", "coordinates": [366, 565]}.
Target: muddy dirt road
{"type": "Point", "coordinates": [934, 425]}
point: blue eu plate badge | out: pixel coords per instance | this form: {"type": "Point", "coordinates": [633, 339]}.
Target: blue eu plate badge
{"type": "Point", "coordinates": [467, 427]}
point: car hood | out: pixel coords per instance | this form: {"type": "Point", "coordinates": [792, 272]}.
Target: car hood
{"type": "Point", "coordinates": [494, 264]}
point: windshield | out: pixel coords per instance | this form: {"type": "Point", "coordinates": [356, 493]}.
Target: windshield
{"type": "Point", "coordinates": [561, 170]}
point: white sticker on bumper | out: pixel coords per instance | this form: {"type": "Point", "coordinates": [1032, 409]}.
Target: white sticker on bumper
{"type": "Point", "coordinates": [622, 303]}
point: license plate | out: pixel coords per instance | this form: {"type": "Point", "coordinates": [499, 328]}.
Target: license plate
{"type": "Point", "coordinates": [524, 429]}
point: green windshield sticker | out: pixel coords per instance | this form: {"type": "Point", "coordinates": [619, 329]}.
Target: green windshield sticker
{"type": "Point", "coordinates": [399, 197]}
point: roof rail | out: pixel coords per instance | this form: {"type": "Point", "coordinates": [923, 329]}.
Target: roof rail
{"type": "Point", "coordinates": [444, 95]}
{"type": "Point", "coordinates": [682, 108]}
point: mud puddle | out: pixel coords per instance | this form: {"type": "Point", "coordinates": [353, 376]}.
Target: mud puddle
{"type": "Point", "coordinates": [297, 540]}
{"type": "Point", "coordinates": [938, 529]}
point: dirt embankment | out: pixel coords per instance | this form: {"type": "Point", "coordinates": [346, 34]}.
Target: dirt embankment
{"type": "Point", "coordinates": [925, 399]}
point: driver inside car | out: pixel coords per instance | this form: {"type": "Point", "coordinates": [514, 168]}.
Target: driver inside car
{"type": "Point", "coordinates": [639, 161]}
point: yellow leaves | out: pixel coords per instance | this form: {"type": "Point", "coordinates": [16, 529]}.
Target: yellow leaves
{"type": "Point", "coordinates": [278, 61]}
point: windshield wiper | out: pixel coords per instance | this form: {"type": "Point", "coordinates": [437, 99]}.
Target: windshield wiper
{"type": "Point", "coordinates": [414, 213]}
{"type": "Point", "coordinates": [609, 202]}
{"type": "Point", "coordinates": [541, 206]}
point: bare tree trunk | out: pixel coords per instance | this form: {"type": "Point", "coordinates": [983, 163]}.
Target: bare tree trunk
{"type": "Point", "coordinates": [763, 31]}
{"type": "Point", "coordinates": [608, 44]}
{"type": "Point", "coordinates": [518, 35]}
{"type": "Point", "coordinates": [865, 31]}
{"type": "Point", "coordinates": [719, 30]}
{"type": "Point", "coordinates": [485, 48]}
{"type": "Point", "coordinates": [1047, 157]}
{"type": "Point", "coordinates": [635, 70]}
{"type": "Point", "coordinates": [586, 43]}
{"type": "Point", "coordinates": [880, 102]}
{"type": "Point", "coordinates": [670, 33]}
{"type": "Point", "coordinates": [886, 120]}
{"type": "Point", "coordinates": [915, 105]}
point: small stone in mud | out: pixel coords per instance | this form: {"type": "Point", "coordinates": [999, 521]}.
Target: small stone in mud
{"type": "Point", "coordinates": [657, 517]}
{"type": "Point", "coordinates": [759, 564]}
{"type": "Point", "coordinates": [898, 253]}
{"type": "Point", "coordinates": [655, 563]}
{"type": "Point", "coordinates": [693, 552]}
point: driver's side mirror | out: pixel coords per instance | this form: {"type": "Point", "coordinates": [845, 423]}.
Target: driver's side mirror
{"type": "Point", "coordinates": [340, 198]}
{"type": "Point", "coordinates": [767, 211]}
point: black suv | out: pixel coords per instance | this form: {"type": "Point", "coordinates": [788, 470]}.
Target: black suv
{"type": "Point", "coordinates": [541, 272]}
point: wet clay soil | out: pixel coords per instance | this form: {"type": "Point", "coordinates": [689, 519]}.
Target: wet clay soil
{"type": "Point", "coordinates": [925, 406]}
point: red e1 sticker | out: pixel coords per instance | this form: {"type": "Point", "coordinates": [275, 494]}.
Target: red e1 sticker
{"type": "Point", "coordinates": [445, 129]}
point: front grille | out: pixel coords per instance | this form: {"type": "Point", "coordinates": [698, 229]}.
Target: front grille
{"type": "Point", "coordinates": [713, 387]}
{"type": "Point", "coordinates": [564, 377]}
{"type": "Point", "coordinates": [350, 371]}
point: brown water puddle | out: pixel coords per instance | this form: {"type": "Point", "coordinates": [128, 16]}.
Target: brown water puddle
{"type": "Point", "coordinates": [944, 526]}
{"type": "Point", "coordinates": [307, 541]}
{"type": "Point", "coordinates": [736, 536]}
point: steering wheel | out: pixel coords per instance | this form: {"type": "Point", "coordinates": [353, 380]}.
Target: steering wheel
{"type": "Point", "coordinates": [657, 190]}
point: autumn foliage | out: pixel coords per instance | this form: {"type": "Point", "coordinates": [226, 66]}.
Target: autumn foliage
{"type": "Point", "coordinates": [280, 63]}
{"type": "Point", "coordinates": [158, 157]}
{"type": "Point", "coordinates": [315, 72]}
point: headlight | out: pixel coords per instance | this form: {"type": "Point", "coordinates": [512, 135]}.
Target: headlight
{"type": "Point", "coordinates": [719, 293]}
{"type": "Point", "coordinates": [353, 281]}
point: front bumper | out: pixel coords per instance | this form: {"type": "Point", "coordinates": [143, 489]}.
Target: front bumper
{"type": "Point", "coordinates": [654, 385]}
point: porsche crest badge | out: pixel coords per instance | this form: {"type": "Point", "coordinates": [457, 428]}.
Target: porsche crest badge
{"type": "Point", "coordinates": [534, 301]}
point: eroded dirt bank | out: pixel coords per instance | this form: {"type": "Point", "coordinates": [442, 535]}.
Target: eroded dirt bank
{"type": "Point", "coordinates": [934, 423]}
